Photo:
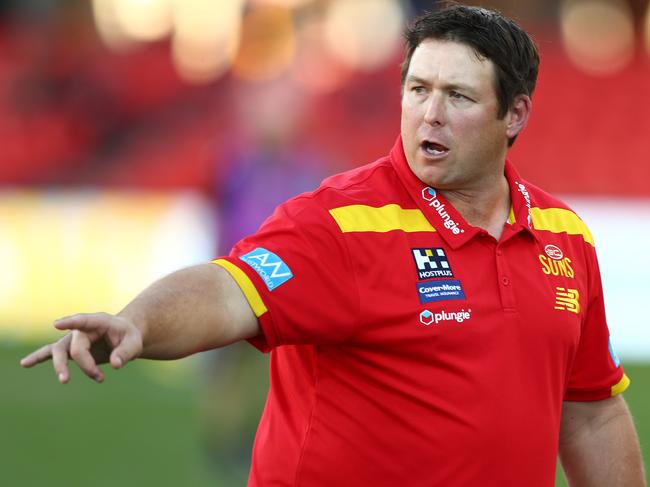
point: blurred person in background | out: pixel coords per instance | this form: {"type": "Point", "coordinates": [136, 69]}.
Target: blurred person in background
{"type": "Point", "coordinates": [432, 318]}
{"type": "Point", "coordinates": [264, 167]}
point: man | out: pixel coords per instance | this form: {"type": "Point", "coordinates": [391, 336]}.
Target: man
{"type": "Point", "coordinates": [432, 319]}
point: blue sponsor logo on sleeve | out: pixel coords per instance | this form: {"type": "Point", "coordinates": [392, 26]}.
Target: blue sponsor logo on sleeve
{"type": "Point", "coordinates": [612, 353]}
{"type": "Point", "coordinates": [440, 290]}
{"type": "Point", "coordinates": [269, 266]}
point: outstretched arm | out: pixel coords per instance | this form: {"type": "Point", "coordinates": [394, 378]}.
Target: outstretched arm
{"type": "Point", "coordinates": [599, 445]}
{"type": "Point", "coordinates": [188, 311]}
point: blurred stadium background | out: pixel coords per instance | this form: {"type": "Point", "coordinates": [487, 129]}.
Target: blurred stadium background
{"type": "Point", "coordinates": [140, 136]}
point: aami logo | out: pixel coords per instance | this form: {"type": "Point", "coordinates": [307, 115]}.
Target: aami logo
{"type": "Point", "coordinates": [567, 300]}
{"type": "Point", "coordinates": [554, 263]}
{"type": "Point", "coordinates": [269, 266]}
{"type": "Point", "coordinates": [430, 195]}
{"type": "Point", "coordinates": [431, 263]}
{"type": "Point", "coordinates": [428, 318]}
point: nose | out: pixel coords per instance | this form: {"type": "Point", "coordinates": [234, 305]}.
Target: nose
{"type": "Point", "coordinates": [435, 110]}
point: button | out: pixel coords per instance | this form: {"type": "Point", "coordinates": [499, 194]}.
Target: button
{"type": "Point", "coordinates": [499, 253]}
{"type": "Point", "coordinates": [505, 281]}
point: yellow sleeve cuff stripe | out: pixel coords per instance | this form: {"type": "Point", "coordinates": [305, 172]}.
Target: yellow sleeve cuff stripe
{"type": "Point", "coordinates": [621, 386]}
{"type": "Point", "coordinates": [246, 285]}
{"type": "Point", "coordinates": [559, 220]}
{"type": "Point", "coordinates": [363, 218]}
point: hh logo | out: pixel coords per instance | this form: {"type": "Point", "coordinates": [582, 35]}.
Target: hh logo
{"type": "Point", "coordinates": [269, 266]}
{"type": "Point", "coordinates": [431, 263]}
{"type": "Point", "coordinates": [567, 299]}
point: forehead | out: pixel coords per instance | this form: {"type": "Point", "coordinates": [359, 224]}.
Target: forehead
{"type": "Point", "coordinates": [452, 62]}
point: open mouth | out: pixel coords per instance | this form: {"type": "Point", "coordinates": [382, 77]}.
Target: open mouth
{"type": "Point", "coordinates": [434, 149]}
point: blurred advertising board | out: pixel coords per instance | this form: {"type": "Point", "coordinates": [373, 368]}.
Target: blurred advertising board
{"type": "Point", "coordinates": [68, 251]}
{"type": "Point", "coordinates": [621, 231]}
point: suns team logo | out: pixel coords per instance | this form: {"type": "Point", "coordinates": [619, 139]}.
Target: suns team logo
{"type": "Point", "coordinates": [554, 263]}
{"type": "Point", "coordinates": [554, 252]}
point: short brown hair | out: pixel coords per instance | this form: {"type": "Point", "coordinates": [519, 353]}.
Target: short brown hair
{"type": "Point", "coordinates": [492, 36]}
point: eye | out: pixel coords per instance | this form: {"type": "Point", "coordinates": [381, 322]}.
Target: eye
{"type": "Point", "coordinates": [418, 89]}
{"type": "Point", "coordinates": [458, 96]}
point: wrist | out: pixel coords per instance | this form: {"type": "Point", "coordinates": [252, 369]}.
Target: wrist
{"type": "Point", "coordinates": [137, 319]}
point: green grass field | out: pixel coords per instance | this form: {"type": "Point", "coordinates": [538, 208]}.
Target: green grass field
{"type": "Point", "coordinates": [146, 425]}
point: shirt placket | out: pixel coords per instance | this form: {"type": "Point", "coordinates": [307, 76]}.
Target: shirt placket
{"type": "Point", "coordinates": [504, 276]}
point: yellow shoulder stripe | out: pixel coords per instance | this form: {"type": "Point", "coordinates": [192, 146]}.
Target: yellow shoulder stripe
{"type": "Point", "coordinates": [246, 285]}
{"type": "Point", "coordinates": [621, 386]}
{"type": "Point", "coordinates": [559, 220]}
{"type": "Point", "coordinates": [362, 218]}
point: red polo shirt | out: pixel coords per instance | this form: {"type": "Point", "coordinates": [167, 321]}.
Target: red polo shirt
{"type": "Point", "coordinates": [409, 348]}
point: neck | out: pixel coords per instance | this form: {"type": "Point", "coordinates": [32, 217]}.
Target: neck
{"type": "Point", "coordinates": [484, 208]}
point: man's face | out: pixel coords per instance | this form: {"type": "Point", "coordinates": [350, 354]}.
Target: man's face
{"type": "Point", "coordinates": [450, 131]}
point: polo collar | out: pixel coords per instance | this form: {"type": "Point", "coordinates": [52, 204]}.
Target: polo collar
{"type": "Point", "coordinates": [522, 201]}
{"type": "Point", "coordinates": [447, 221]}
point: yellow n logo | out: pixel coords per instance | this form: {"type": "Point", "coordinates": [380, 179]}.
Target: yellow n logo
{"type": "Point", "coordinates": [567, 299]}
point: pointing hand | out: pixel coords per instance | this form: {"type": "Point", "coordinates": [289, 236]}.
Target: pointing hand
{"type": "Point", "coordinates": [94, 339]}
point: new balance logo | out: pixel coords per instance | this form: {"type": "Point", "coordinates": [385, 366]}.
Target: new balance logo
{"type": "Point", "coordinates": [431, 263]}
{"type": "Point", "coordinates": [269, 266]}
{"type": "Point", "coordinates": [567, 300]}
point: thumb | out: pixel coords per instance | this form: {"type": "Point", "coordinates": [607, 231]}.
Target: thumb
{"type": "Point", "coordinates": [128, 349]}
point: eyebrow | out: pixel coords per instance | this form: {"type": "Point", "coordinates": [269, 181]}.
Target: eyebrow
{"type": "Point", "coordinates": [449, 86]}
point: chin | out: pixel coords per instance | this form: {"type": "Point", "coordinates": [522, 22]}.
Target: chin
{"type": "Point", "coordinates": [430, 176]}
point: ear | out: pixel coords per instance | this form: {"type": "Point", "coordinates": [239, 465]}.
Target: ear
{"type": "Point", "coordinates": [518, 115]}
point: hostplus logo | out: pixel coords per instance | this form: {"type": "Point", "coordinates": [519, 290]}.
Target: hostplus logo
{"type": "Point", "coordinates": [428, 318]}
{"type": "Point", "coordinates": [432, 263]}
{"type": "Point", "coordinates": [431, 196]}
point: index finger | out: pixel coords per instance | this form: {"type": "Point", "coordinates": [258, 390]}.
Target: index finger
{"type": "Point", "coordinates": [88, 322]}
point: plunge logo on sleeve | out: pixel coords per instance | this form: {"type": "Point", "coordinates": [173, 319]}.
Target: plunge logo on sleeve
{"type": "Point", "coordinates": [269, 266]}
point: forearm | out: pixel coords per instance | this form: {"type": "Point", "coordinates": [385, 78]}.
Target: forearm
{"type": "Point", "coordinates": [190, 310]}
{"type": "Point", "coordinates": [603, 450]}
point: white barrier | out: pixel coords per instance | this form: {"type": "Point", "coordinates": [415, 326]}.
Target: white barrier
{"type": "Point", "coordinates": [621, 230]}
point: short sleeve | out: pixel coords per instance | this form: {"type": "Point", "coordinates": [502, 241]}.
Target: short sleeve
{"type": "Point", "coordinates": [297, 276]}
{"type": "Point", "coordinates": [596, 371]}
